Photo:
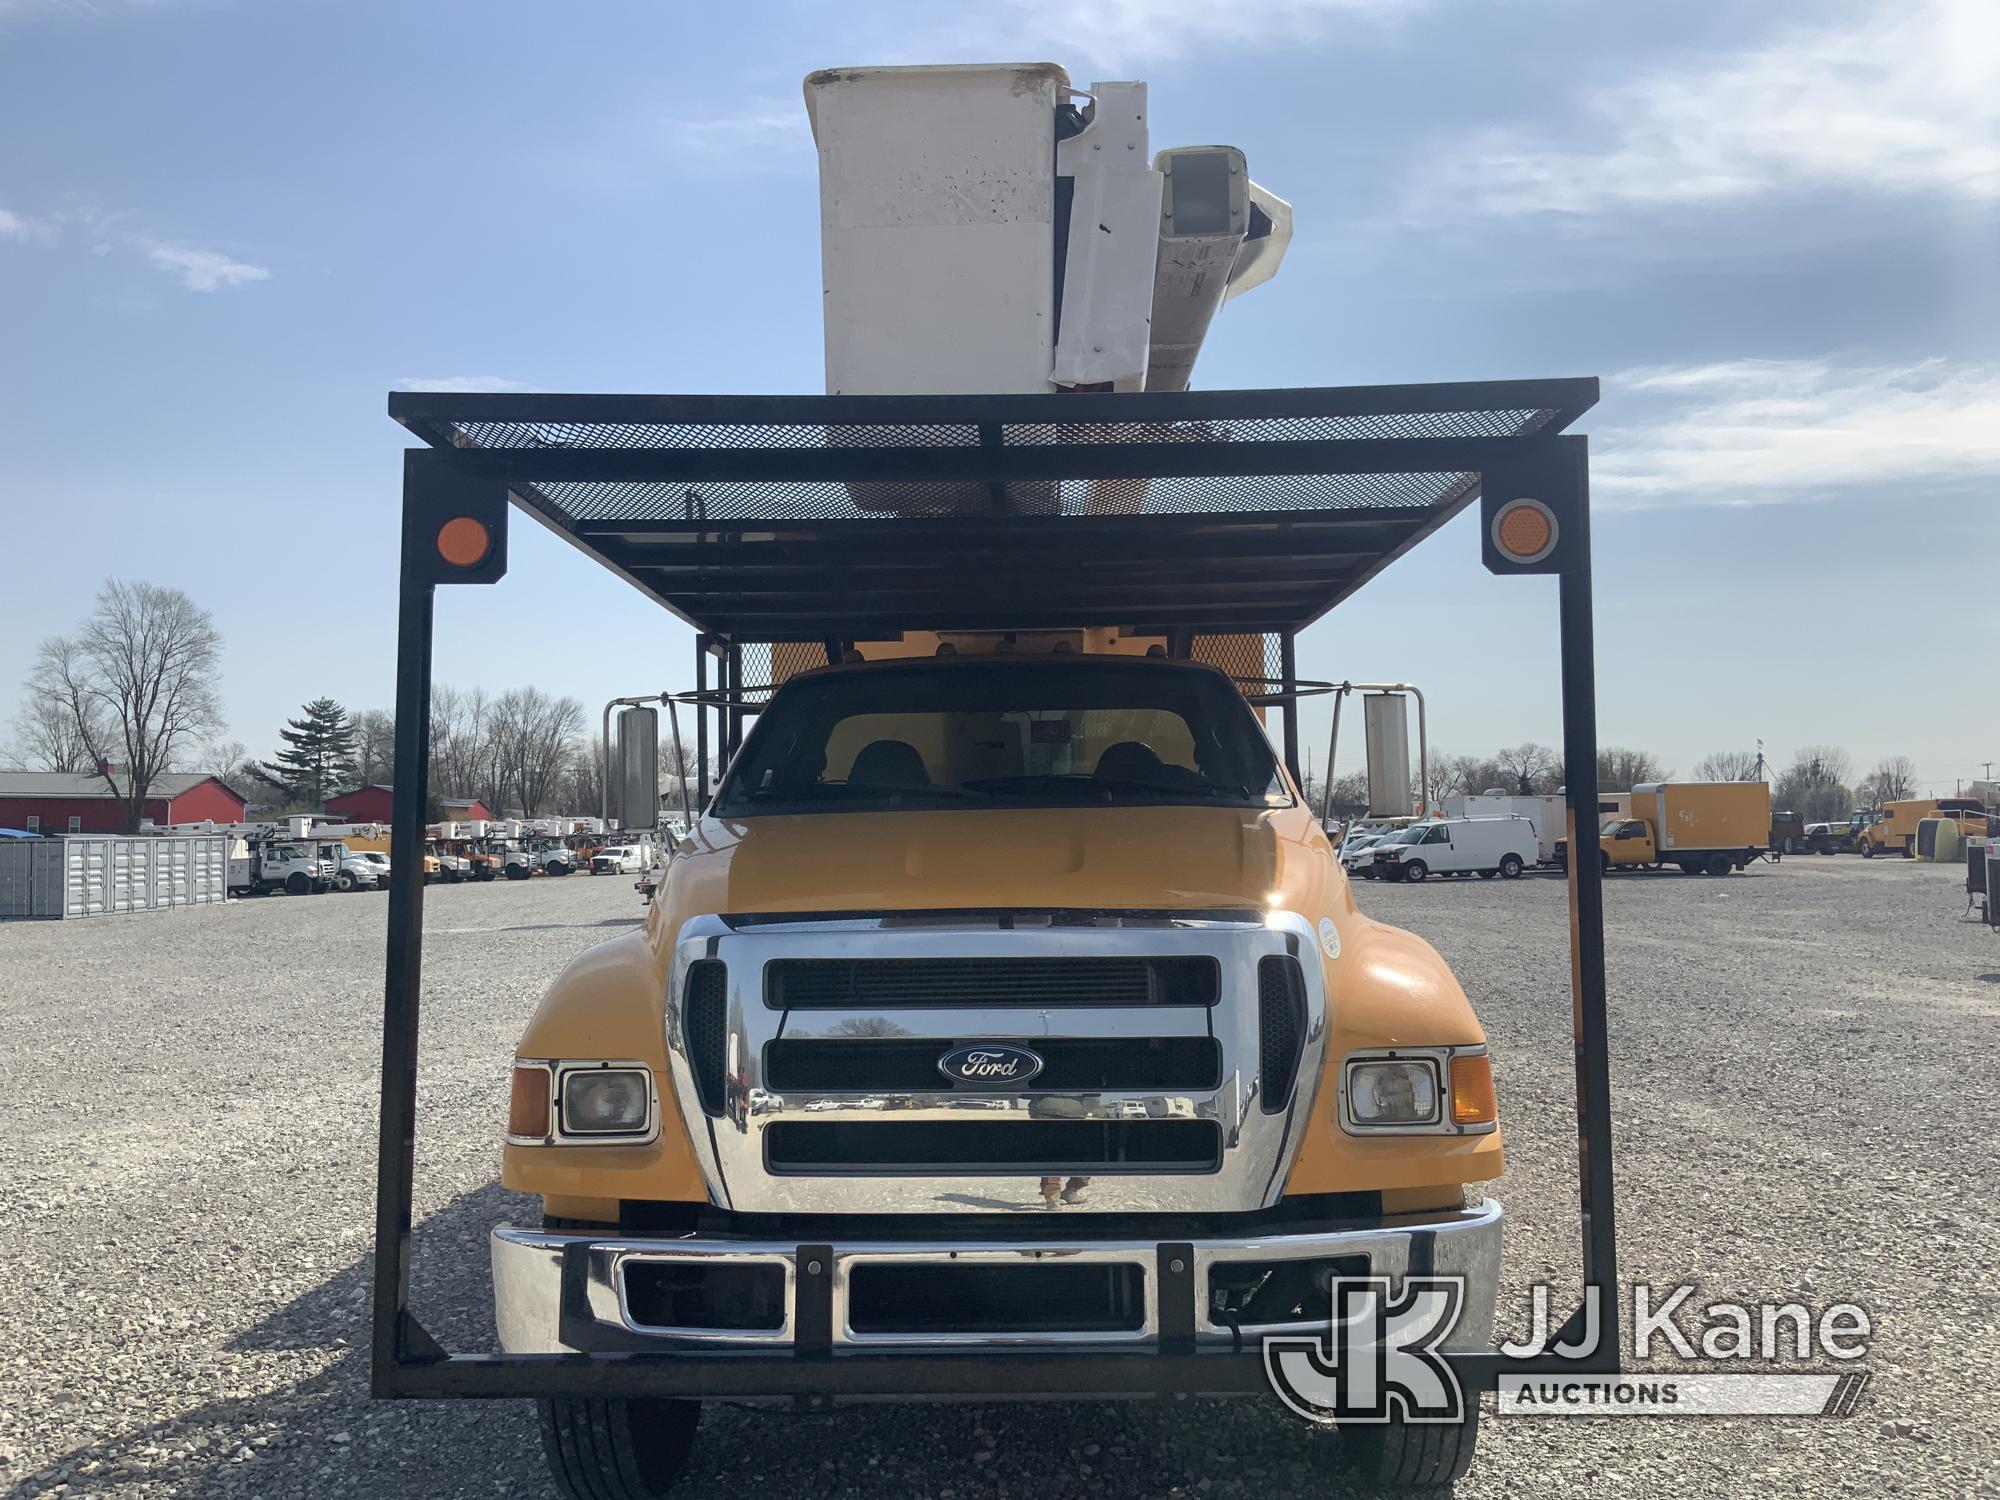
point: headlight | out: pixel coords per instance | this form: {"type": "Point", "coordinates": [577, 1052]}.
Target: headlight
{"type": "Point", "coordinates": [605, 1101]}
{"type": "Point", "coordinates": [1419, 1091]}
{"type": "Point", "coordinates": [1392, 1091]}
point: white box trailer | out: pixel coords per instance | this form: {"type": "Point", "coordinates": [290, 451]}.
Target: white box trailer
{"type": "Point", "coordinates": [92, 875]}
{"type": "Point", "coordinates": [1545, 812]}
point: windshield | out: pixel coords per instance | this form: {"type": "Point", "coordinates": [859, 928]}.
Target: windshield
{"type": "Point", "coordinates": [1411, 835]}
{"type": "Point", "coordinates": [1005, 733]}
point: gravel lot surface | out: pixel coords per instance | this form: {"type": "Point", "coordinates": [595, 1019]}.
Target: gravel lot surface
{"type": "Point", "coordinates": [1805, 1059]}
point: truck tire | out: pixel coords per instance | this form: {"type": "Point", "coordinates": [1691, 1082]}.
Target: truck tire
{"type": "Point", "coordinates": [1415, 871]}
{"type": "Point", "coordinates": [1412, 1455]}
{"type": "Point", "coordinates": [1789, 847]}
{"type": "Point", "coordinates": [1867, 848]}
{"type": "Point", "coordinates": [1510, 866]}
{"type": "Point", "coordinates": [298, 883]}
{"type": "Point", "coordinates": [624, 1448]}
{"type": "Point", "coordinates": [343, 881]}
{"type": "Point", "coordinates": [1910, 847]}
{"type": "Point", "coordinates": [1720, 864]}
{"type": "Point", "coordinates": [518, 872]}
{"type": "Point", "coordinates": [1603, 863]}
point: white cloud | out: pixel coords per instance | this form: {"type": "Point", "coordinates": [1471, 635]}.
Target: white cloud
{"type": "Point", "coordinates": [201, 270]}
{"type": "Point", "coordinates": [1903, 100]}
{"type": "Point", "coordinates": [764, 131]}
{"type": "Point", "coordinates": [460, 383]}
{"type": "Point", "coordinates": [1761, 432]}
{"type": "Point", "coordinates": [20, 227]}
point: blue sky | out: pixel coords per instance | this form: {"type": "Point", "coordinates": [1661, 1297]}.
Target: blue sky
{"type": "Point", "coordinates": [228, 228]}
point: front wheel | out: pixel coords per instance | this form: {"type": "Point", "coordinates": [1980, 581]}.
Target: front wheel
{"type": "Point", "coordinates": [1720, 864]}
{"type": "Point", "coordinates": [623, 1448]}
{"type": "Point", "coordinates": [1789, 846]}
{"type": "Point", "coordinates": [1603, 863]}
{"type": "Point", "coordinates": [1867, 849]}
{"type": "Point", "coordinates": [1412, 1455]}
{"type": "Point", "coordinates": [298, 884]}
{"type": "Point", "coordinates": [343, 881]}
{"type": "Point", "coordinates": [1416, 870]}
{"type": "Point", "coordinates": [1510, 866]}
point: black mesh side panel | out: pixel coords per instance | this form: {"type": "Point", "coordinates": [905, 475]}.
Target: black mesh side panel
{"type": "Point", "coordinates": [1281, 1028]}
{"type": "Point", "coordinates": [705, 1021]}
{"type": "Point", "coordinates": [823, 983]}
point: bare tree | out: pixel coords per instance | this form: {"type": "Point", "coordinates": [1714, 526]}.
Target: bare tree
{"type": "Point", "coordinates": [46, 737]}
{"type": "Point", "coordinates": [375, 747]}
{"type": "Point", "coordinates": [1727, 765]}
{"type": "Point", "coordinates": [136, 684]}
{"type": "Point", "coordinates": [1815, 784]}
{"type": "Point", "coordinates": [228, 761]}
{"type": "Point", "coordinates": [581, 788]}
{"type": "Point", "coordinates": [1619, 769]}
{"type": "Point", "coordinates": [1894, 779]}
{"type": "Point", "coordinates": [461, 758]}
{"type": "Point", "coordinates": [1529, 769]}
{"type": "Point", "coordinates": [532, 735]}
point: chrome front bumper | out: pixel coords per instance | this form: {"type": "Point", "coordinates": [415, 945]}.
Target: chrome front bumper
{"type": "Point", "coordinates": [560, 1293]}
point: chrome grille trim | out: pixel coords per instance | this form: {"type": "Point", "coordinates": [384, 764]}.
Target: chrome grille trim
{"type": "Point", "coordinates": [1256, 1146]}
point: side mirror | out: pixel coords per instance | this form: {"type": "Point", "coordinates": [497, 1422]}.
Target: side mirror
{"type": "Point", "coordinates": [635, 769]}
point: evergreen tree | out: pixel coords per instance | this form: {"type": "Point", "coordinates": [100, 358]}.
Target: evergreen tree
{"type": "Point", "coordinates": [318, 759]}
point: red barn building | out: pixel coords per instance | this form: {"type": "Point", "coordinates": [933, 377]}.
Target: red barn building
{"type": "Point", "coordinates": [60, 802]}
{"type": "Point", "coordinates": [370, 804]}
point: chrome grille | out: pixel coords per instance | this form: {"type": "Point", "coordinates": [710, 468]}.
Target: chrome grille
{"type": "Point", "coordinates": [832, 1100]}
{"type": "Point", "coordinates": [861, 983]}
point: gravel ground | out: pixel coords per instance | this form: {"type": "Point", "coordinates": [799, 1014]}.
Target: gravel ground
{"type": "Point", "coordinates": [1804, 1064]}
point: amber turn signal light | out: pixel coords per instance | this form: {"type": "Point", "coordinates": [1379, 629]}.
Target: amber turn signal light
{"type": "Point", "coordinates": [528, 1103]}
{"type": "Point", "coordinates": [464, 542]}
{"type": "Point", "coordinates": [1525, 531]}
{"type": "Point", "coordinates": [1472, 1098]}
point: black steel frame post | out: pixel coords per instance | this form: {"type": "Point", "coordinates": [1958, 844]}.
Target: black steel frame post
{"type": "Point", "coordinates": [701, 714]}
{"type": "Point", "coordinates": [1586, 901]}
{"type": "Point", "coordinates": [1288, 670]}
{"type": "Point", "coordinates": [395, 1336]}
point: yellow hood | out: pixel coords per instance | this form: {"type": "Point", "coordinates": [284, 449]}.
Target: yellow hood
{"type": "Point", "coordinates": [1108, 857]}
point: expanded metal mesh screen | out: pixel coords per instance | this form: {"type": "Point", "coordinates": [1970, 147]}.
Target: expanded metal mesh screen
{"type": "Point", "coordinates": [803, 518]}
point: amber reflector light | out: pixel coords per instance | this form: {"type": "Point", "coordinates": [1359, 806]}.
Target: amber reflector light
{"type": "Point", "coordinates": [1524, 531]}
{"type": "Point", "coordinates": [528, 1103]}
{"type": "Point", "coordinates": [464, 542]}
{"type": "Point", "coordinates": [1472, 1099]}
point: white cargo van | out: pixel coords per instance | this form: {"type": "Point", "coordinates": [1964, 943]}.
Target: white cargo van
{"type": "Point", "coordinates": [1457, 846]}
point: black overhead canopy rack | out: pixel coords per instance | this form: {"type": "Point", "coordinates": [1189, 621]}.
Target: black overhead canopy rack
{"type": "Point", "coordinates": [792, 518]}
{"type": "Point", "coordinates": [768, 520]}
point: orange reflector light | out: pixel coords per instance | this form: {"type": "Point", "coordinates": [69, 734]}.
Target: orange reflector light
{"type": "Point", "coordinates": [528, 1103]}
{"type": "Point", "coordinates": [1525, 531]}
{"type": "Point", "coordinates": [1472, 1098]}
{"type": "Point", "coordinates": [464, 542]}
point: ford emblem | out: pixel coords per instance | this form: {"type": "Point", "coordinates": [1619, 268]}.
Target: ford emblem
{"type": "Point", "coordinates": [989, 1065]}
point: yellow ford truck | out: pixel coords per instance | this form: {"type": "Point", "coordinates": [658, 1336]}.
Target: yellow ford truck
{"type": "Point", "coordinates": [1703, 827]}
{"type": "Point", "coordinates": [1004, 1024]}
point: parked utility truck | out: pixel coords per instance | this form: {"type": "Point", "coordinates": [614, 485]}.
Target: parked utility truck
{"type": "Point", "coordinates": [1704, 827]}
{"type": "Point", "coordinates": [263, 866]}
{"type": "Point", "coordinates": [1892, 828]}
{"type": "Point", "coordinates": [1004, 1025]}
